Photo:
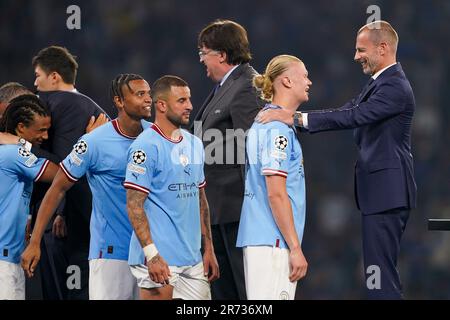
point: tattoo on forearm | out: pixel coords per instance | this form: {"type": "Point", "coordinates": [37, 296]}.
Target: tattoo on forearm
{"type": "Point", "coordinates": [137, 216]}
{"type": "Point", "coordinates": [204, 213]}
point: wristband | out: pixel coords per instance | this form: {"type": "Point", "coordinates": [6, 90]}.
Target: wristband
{"type": "Point", "coordinates": [150, 251]}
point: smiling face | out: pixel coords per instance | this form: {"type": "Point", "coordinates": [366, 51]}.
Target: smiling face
{"type": "Point", "coordinates": [136, 102]}
{"type": "Point", "coordinates": [300, 80]}
{"type": "Point", "coordinates": [213, 61]}
{"type": "Point", "coordinates": [367, 53]}
{"type": "Point", "coordinates": [295, 79]}
{"type": "Point", "coordinates": [37, 131]}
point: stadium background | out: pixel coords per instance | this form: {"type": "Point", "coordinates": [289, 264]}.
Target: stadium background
{"type": "Point", "coordinates": [159, 37]}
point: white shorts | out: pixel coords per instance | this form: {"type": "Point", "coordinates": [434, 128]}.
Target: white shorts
{"type": "Point", "coordinates": [189, 282]}
{"type": "Point", "coordinates": [267, 273]}
{"type": "Point", "coordinates": [111, 279]}
{"type": "Point", "coordinates": [12, 281]}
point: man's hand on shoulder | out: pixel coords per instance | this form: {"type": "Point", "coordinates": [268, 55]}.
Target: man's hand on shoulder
{"type": "Point", "coordinates": [95, 123]}
{"type": "Point", "coordinates": [269, 115]}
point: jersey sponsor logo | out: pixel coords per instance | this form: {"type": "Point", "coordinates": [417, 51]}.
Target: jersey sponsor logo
{"type": "Point", "coordinates": [281, 143]}
{"type": "Point", "coordinates": [24, 153]}
{"type": "Point", "coordinates": [75, 159]}
{"type": "Point", "coordinates": [185, 190]}
{"type": "Point", "coordinates": [32, 160]}
{"type": "Point", "coordinates": [81, 147]}
{"type": "Point", "coordinates": [139, 157]}
{"type": "Point", "coordinates": [182, 186]}
{"type": "Point", "coordinates": [136, 169]}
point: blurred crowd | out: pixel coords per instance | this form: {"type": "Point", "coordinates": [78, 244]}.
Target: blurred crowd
{"type": "Point", "coordinates": [159, 37]}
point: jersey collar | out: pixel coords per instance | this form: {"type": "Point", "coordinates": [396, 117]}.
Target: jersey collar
{"type": "Point", "coordinates": [116, 126]}
{"type": "Point", "coordinates": [158, 129]}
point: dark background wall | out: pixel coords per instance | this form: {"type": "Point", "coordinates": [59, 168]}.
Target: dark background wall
{"type": "Point", "coordinates": [159, 37]}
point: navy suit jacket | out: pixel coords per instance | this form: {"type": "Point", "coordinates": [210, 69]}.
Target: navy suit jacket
{"type": "Point", "coordinates": [70, 113]}
{"type": "Point", "coordinates": [382, 117]}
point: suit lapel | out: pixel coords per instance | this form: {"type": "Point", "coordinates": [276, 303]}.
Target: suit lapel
{"type": "Point", "coordinates": [368, 88]}
{"type": "Point", "coordinates": [222, 91]}
{"type": "Point", "coordinates": [216, 98]}
{"type": "Point", "coordinates": [200, 112]}
{"type": "Point", "coordinates": [365, 90]}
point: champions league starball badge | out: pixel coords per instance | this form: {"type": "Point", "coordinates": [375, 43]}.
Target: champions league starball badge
{"type": "Point", "coordinates": [281, 143]}
{"type": "Point", "coordinates": [81, 147]}
{"type": "Point", "coordinates": [139, 157]}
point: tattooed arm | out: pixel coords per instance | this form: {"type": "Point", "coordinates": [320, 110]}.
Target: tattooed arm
{"type": "Point", "coordinates": [157, 267]}
{"type": "Point", "coordinates": [210, 265]}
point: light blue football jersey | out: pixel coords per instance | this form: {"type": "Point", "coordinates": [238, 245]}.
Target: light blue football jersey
{"type": "Point", "coordinates": [271, 149]}
{"type": "Point", "coordinates": [171, 173]}
{"type": "Point", "coordinates": [101, 155]}
{"type": "Point", "coordinates": [18, 169]}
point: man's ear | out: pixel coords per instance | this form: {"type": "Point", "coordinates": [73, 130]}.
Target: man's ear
{"type": "Point", "coordinates": [223, 57]}
{"type": "Point", "coordinates": [382, 48]}
{"type": "Point", "coordinates": [160, 105]}
{"type": "Point", "coordinates": [20, 128]}
{"type": "Point", "coordinates": [55, 77]}
{"type": "Point", "coordinates": [285, 81]}
{"type": "Point", "coordinates": [118, 102]}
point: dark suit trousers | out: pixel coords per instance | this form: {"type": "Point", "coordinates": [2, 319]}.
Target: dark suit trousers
{"type": "Point", "coordinates": [231, 284]}
{"type": "Point", "coordinates": [54, 266]}
{"type": "Point", "coordinates": [381, 234]}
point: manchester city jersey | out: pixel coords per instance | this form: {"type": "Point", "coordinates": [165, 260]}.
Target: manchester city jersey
{"type": "Point", "coordinates": [102, 156]}
{"type": "Point", "coordinates": [271, 149]}
{"type": "Point", "coordinates": [171, 173]}
{"type": "Point", "coordinates": [18, 169]}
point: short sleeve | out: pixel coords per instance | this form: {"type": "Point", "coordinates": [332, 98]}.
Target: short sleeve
{"type": "Point", "coordinates": [26, 164]}
{"type": "Point", "coordinates": [274, 151]}
{"type": "Point", "coordinates": [77, 163]}
{"type": "Point", "coordinates": [141, 167]}
{"type": "Point", "coordinates": [202, 180]}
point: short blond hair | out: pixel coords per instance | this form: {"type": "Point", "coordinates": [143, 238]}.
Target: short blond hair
{"type": "Point", "coordinates": [381, 31]}
{"type": "Point", "coordinates": [276, 66]}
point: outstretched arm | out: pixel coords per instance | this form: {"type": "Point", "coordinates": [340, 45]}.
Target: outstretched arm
{"type": "Point", "coordinates": [157, 267]}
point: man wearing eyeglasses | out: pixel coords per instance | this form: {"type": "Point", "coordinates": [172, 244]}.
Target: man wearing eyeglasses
{"type": "Point", "coordinates": [229, 109]}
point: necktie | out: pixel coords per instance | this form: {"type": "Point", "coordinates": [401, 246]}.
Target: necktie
{"type": "Point", "coordinates": [208, 106]}
{"type": "Point", "coordinates": [216, 88]}
{"type": "Point", "coordinates": [364, 90]}
{"type": "Point", "coordinates": [368, 83]}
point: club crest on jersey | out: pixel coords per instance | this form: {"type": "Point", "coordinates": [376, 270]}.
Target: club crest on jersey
{"type": "Point", "coordinates": [81, 147]}
{"type": "Point", "coordinates": [184, 160]}
{"type": "Point", "coordinates": [139, 157]}
{"type": "Point", "coordinates": [281, 143]}
{"type": "Point", "coordinates": [24, 153]}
